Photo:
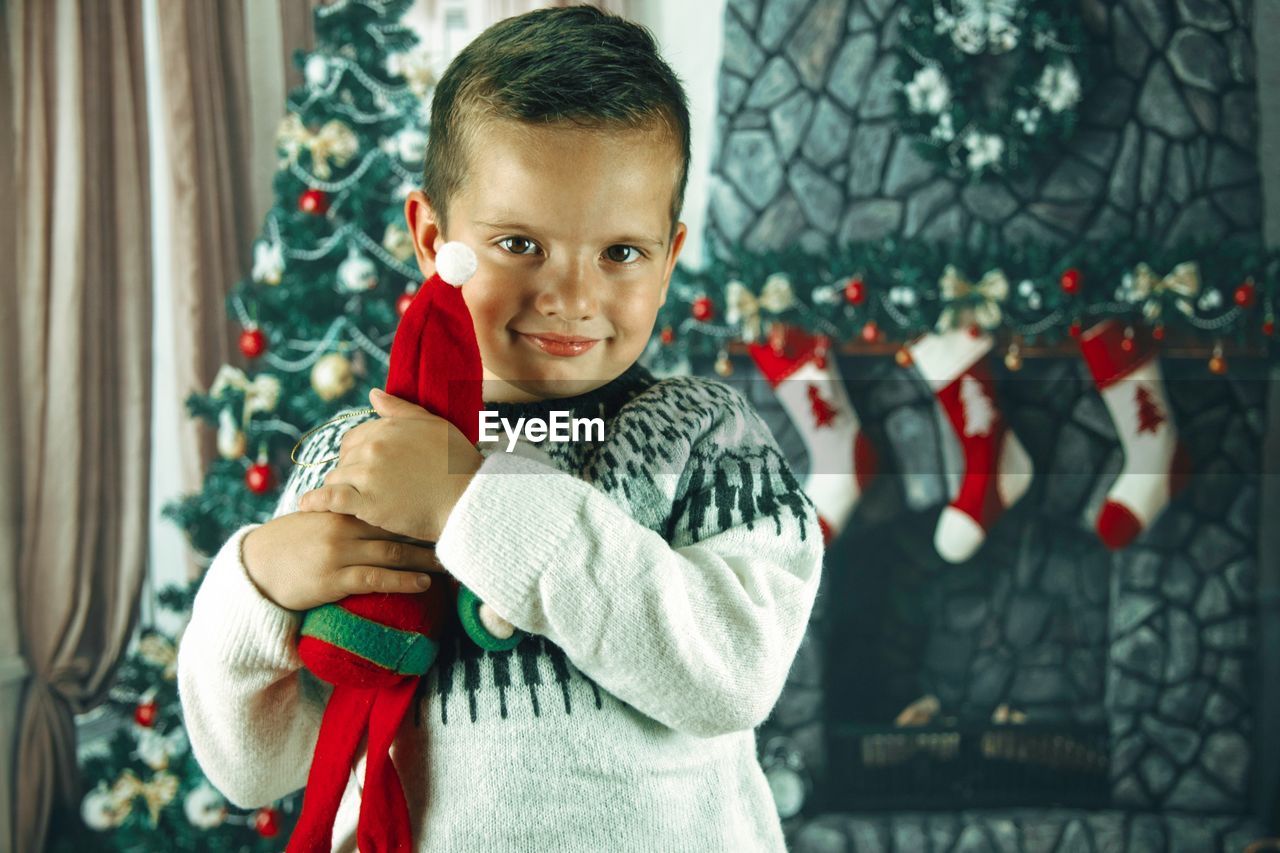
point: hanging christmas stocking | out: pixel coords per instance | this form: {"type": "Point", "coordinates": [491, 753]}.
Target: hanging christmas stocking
{"type": "Point", "coordinates": [997, 469]}
{"type": "Point", "coordinates": [1127, 375]}
{"type": "Point", "coordinates": [842, 460]}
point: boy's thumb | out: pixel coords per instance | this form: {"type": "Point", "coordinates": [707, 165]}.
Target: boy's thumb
{"type": "Point", "coordinates": [389, 405]}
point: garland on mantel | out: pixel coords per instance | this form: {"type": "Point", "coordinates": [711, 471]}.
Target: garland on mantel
{"type": "Point", "coordinates": [894, 290]}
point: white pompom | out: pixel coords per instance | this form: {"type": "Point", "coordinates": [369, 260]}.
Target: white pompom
{"type": "Point", "coordinates": [456, 263]}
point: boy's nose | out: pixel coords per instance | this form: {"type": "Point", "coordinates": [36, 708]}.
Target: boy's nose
{"type": "Point", "coordinates": [570, 295]}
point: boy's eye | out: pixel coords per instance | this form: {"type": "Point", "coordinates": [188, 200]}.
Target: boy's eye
{"type": "Point", "coordinates": [517, 245]}
{"type": "Point", "coordinates": [617, 254]}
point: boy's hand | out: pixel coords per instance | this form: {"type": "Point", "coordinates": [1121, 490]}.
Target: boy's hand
{"type": "Point", "coordinates": [403, 472]}
{"type": "Point", "coordinates": [306, 559]}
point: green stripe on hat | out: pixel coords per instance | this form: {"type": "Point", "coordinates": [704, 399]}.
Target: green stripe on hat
{"type": "Point", "coordinates": [401, 652]}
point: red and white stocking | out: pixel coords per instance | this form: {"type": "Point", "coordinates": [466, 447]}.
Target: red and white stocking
{"type": "Point", "coordinates": [997, 469]}
{"type": "Point", "coordinates": [1127, 375]}
{"type": "Point", "coordinates": [841, 458]}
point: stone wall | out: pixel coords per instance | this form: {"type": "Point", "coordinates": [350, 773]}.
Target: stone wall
{"type": "Point", "coordinates": [808, 150]}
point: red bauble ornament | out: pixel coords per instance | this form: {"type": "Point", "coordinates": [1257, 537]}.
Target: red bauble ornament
{"type": "Point", "coordinates": [1246, 294]}
{"type": "Point", "coordinates": [253, 342]}
{"type": "Point", "coordinates": [403, 301]}
{"type": "Point", "coordinates": [266, 822]}
{"type": "Point", "coordinates": [1074, 329]}
{"type": "Point", "coordinates": [855, 292]}
{"type": "Point", "coordinates": [820, 347]}
{"type": "Point", "coordinates": [871, 332]}
{"type": "Point", "coordinates": [1218, 365]}
{"type": "Point", "coordinates": [260, 479]}
{"type": "Point", "coordinates": [314, 201]}
{"type": "Point", "coordinates": [1070, 281]}
{"type": "Point", "coordinates": [145, 714]}
{"type": "Point", "coordinates": [667, 335]}
{"type": "Point", "coordinates": [702, 309]}
{"type": "Point", "coordinates": [1157, 332]}
{"type": "Point", "coordinates": [1268, 327]}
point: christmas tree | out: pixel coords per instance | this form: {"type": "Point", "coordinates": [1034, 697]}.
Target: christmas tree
{"type": "Point", "coordinates": [333, 270]}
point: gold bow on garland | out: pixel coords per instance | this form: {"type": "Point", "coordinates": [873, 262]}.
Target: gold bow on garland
{"type": "Point", "coordinates": [335, 141]}
{"type": "Point", "coordinates": [1143, 285]}
{"type": "Point", "coordinates": [260, 395]}
{"type": "Point", "coordinates": [742, 307]}
{"type": "Point", "coordinates": [960, 298]}
{"type": "Point", "coordinates": [157, 793]}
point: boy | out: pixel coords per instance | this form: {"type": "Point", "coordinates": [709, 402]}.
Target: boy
{"type": "Point", "coordinates": [665, 574]}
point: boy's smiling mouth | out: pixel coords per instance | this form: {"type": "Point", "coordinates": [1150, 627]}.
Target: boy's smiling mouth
{"type": "Point", "coordinates": [559, 345]}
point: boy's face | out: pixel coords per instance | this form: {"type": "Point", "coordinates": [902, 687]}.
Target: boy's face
{"type": "Point", "coordinates": [571, 230]}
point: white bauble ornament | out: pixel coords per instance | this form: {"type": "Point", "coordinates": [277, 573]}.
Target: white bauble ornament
{"type": "Point", "coordinates": [316, 70]}
{"type": "Point", "coordinates": [101, 809]}
{"type": "Point", "coordinates": [205, 807]}
{"type": "Point", "coordinates": [231, 439]}
{"type": "Point", "coordinates": [788, 791]}
{"type": "Point", "coordinates": [456, 263]}
{"type": "Point", "coordinates": [331, 376]}
{"type": "Point", "coordinates": [357, 273]}
{"type": "Point", "coordinates": [411, 144]}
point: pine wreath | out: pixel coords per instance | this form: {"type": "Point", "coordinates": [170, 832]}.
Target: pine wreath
{"type": "Point", "coordinates": [990, 86]}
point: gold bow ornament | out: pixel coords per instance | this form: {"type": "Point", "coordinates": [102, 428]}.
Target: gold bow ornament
{"type": "Point", "coordinates": [260, 395]}
{"type": "Point", "coordinates": [157, 793]}
{"type": "Point", "coordinates": [1143, 285]}
{"type": "Point", "coordinates": [333, 142]}
{"type": "Point", "coordinates": [742, 307]}
{"type": "Point", "coordinates": [963, 299]}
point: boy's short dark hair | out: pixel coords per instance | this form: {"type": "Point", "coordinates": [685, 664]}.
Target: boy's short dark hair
{"type": "Point", "coordinates": [576, 64]}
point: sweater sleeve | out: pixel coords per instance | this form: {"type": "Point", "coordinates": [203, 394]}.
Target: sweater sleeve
{"type": "Point", "coordinates": [697, 626]}
{"type": "Point", "coordinates": [252, 713]}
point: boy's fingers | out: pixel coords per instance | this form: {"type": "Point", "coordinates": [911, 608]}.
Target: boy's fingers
{"type": "Point", "coordinates": [338, 497]}
{"type": "Point", "coordinates": [358, 580]}
{"type": "Point", "coordinates": [395, 554]}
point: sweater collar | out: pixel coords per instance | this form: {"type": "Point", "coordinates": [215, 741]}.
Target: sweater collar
{"type": "Point", "coordinates": [604, 401]}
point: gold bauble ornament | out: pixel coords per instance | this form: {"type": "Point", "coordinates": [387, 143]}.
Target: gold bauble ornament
{"type": "Point", "coordinates": [1013, 358]}
{"type": "Point", "coordinates": [231, 439]}
{"type": "Point", "coordinates": [332, 376]}
{"type": "Point", "coordinates": [724, 366]}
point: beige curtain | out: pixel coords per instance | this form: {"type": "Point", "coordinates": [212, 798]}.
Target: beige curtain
{"type": "Point", "coordinates": [83, 328]}
{"type": "Point", "coordinates": [204, 114]}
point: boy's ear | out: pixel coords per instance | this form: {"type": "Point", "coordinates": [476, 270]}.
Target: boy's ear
{"type": "Point", "coordinates": [677, 243]}
{"type": "Point", "coordinates": [425, 231]}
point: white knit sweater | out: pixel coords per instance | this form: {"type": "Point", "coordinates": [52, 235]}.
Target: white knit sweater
{"type": "Point", "coordinates": [665, 576]}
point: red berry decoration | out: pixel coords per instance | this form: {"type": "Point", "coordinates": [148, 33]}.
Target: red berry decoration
{"type": "Point", "coordinates": [266, 822]}
{"type": "Point", "coordinates": [974, 331]}
{"type": "Point", "coordinates": [855, 292]}
{"type": "Point", "coordinates": [667, 335]}
{"type": "Point", "coordinates": [702, 309]}
{"type": "Point", "coordinates": [403, 301]}
{"type": "Point", "coordinates": [253, 342]}
{"type": "Point", "coordinates": [259, 478]}
{"type": "Point", "coordinates": [1070, 281]}
{"type": "Point", "coordinates": [871, 332]}
{"type": "Point", "coordinates": [1246, 294]}
{"type": "Point", "coordinates": [145, 714]}
{"type": "Point", "coordinates": [314, 202]}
